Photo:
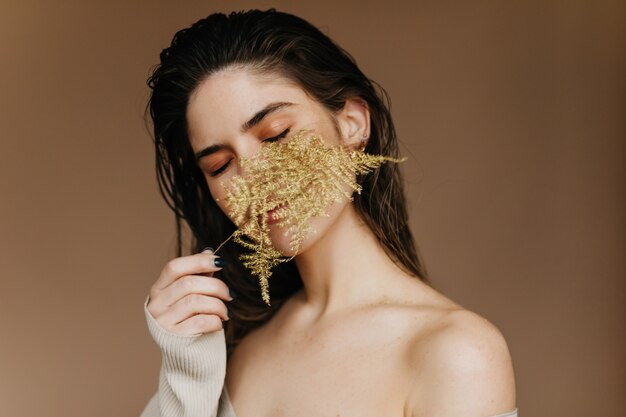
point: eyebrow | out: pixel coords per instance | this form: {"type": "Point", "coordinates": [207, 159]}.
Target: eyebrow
{"type": "Point", "coordinates": [254, 120]}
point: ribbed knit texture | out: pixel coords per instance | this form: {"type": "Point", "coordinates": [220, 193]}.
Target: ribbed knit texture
{"type": "Point", "coordinates": [191, 380]}
{"type": "Point", "coordinates": [193, 369]}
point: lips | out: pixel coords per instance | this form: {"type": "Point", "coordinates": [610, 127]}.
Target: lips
{"type": "Point", "coordinates": [270, 214]}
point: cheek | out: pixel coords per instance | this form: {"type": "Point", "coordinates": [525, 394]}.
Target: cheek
{"type": "Point", "coordinates": [219, 196]}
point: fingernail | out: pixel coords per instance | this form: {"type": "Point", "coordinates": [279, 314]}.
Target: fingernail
{"type": "Point", "coordinates": [207, 249]}
{"type": "Point", "coordinates": [232, 293]}
{"type": "Point", "coordinates": [219, 262]}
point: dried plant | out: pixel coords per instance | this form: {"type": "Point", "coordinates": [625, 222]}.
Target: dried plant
{"type": "Point", "coordinates": [300, 178]}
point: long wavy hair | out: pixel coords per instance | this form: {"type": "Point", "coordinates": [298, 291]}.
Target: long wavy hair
{"type": "Point", "coordinates": [285, 45]}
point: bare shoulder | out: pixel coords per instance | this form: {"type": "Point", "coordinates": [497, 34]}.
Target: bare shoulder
{"type": "Point", "coordinates": [460, 365]}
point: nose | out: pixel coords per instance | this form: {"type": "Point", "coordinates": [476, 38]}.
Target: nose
{"type": "Point", "coordinates": [245, 147]}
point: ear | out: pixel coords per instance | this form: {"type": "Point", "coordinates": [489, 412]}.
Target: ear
{"type": "Point", "coordinates": [354, 123]}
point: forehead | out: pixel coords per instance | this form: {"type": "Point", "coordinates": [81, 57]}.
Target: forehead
{"type": "Point", "coordinates": [224, 101]}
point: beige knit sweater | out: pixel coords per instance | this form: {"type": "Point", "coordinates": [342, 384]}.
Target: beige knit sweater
{"type": "Point", "coordinates": [191, 380]}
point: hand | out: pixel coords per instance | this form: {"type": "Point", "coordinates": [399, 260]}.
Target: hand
{"type": "Point", "coordinates": [186, 299]}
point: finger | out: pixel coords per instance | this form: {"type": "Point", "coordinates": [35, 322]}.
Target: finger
{"type": "Point", "coordinates": [188, 265]}
{"type": "Point", "coordinates": [191, 305]}
{"type": "Point", "coordinates": [200, 323]}
{"type": "Point", "coordinates": [189, 284]}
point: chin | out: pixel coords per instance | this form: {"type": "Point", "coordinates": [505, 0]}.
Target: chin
{"type": "Point", "coordinates": [283, 243]}
{"type": "Point", "coordinates": [320, 226]}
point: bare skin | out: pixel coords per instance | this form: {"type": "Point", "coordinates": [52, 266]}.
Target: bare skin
{"type": "Point", "coordinates": [362, 337]}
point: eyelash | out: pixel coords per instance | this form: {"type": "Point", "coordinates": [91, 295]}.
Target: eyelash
{"type": "Point", "coordinates": [277, 137]}
{"type": "Point", "coordinates": [272, 139]}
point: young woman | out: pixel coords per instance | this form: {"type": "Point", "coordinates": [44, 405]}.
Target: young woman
{"type": "Point", "coordinates": [353, 328]}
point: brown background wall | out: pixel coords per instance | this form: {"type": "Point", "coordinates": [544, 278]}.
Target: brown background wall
{"type": "Point", "coordinates": [512, 114]}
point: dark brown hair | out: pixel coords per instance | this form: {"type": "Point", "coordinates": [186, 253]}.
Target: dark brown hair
{"type": "Point", "coordinates": [286, 45]}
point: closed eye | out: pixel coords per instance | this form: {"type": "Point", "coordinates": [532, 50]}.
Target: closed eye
{"type": "Point", "coordinates": [278, 137]}
{"type": "Point", "coordinates": [220, 169]}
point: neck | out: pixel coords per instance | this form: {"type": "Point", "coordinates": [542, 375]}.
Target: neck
{"type": "Point", "coordinates": [346, 267]}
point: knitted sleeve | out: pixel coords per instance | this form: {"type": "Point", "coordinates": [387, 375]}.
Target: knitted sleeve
{"type": "Point", "coordinates": [191, 378]}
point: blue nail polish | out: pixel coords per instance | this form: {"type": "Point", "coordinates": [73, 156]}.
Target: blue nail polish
{"type": "Point", "coordinates": [219, 262]}
{"type": "Point", "coordinates": [232, 293]}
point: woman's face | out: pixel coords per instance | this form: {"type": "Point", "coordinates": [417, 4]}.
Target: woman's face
{"type": "Point", "coordinates": [235, 111]}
